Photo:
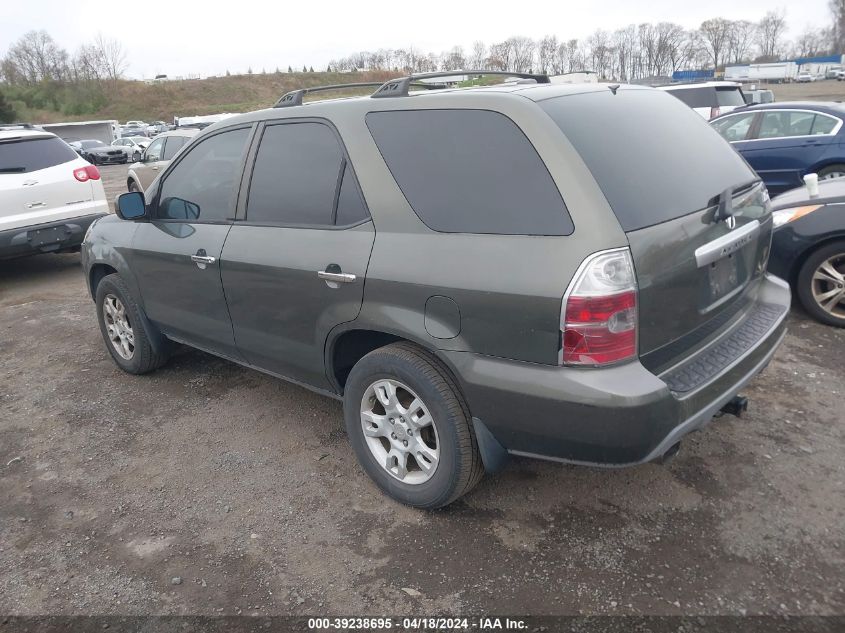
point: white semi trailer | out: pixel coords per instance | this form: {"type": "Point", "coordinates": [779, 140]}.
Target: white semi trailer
{"type": "Point", "coordinates": [105, 131]}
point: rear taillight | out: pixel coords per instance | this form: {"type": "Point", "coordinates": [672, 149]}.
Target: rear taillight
{"type": "Point", "coordinates": [599, 315]}
{"type": "Point", "coordinates": [714, 112]}
{"type": "Point", "coordinates": [84, 174]}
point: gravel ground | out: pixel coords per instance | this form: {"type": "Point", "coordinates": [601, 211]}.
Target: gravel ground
{"type": "Point", "coordinates": [207, 488]}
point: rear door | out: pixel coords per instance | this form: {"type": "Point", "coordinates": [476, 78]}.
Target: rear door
{"type": "Point", "coordinates": [37, 184]}
{"type": "Point", "coordinates": [786, 144]}
{"type": "Point", "coordinates": [665, 173]}
{"type": "Point", "coordinates": [294, 268]}
{"type": "Point", "coordinates": [176, 255]}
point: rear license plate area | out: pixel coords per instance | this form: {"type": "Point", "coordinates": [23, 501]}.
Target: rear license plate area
{"type": "Point", "coordinates": [52, 235]}
{"type": "Point", "coordinates": [722, 279]}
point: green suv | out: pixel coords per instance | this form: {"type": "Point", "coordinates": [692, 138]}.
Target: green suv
{"type": "Point", "coordinates": [569, 272]}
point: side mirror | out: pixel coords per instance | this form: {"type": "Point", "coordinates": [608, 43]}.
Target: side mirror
{"type": "Point", "coordinates": [130, 206]}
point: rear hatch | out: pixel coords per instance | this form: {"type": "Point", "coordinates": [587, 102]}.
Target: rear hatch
{"type": "Point", "coordinates": [37, 184]}
{"type": "Point", "coordinates": [696, 216]}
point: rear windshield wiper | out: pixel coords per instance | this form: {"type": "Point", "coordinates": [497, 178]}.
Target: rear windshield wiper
{"type": "Point", "coordinates": [725, 208]}
{"type": "Point", "coordinates": [12, 170]}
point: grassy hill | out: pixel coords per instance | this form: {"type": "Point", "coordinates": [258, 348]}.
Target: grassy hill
{"type": "Point", "coordinates": [162, 101]}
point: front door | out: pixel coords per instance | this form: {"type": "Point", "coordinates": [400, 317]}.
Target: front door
{"type": "Point", "coordinates": [295, 267]}
{"type": "Point", "coordinates": [176, 256]}
{"type": "Point", "coordinates": [152, 163]}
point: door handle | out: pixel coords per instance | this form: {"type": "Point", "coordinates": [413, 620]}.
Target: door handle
{"type": "Point", "coordinates": [203, 259]}
{"type": "Point", "coordinates": [341, 278]}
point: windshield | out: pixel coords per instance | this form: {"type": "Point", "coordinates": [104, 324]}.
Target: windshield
{"type": "Point", "coordinates": [31, 154]}
{"type": "Point", "coordinates": [654, 158]}
{"type": "Point", "coordinates": [91, 144]}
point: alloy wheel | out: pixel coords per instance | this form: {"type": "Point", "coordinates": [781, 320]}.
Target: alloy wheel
{"type": "Point", "coordinates": [400, 432]}
{"type": "Point", "coordinates": [828, 285]}
{"type": "Point", "coordinates": [832, 174]}
{"type": "Point", "coordinates": [118, 327]}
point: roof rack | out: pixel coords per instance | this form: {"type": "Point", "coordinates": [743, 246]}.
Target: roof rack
{"type": "Point", "coordinates": [294, 97]}
{"type": "Point", "coordinates": [399, 87]}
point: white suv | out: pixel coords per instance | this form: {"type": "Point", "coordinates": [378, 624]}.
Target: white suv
{"type": "Point", "coordinates": [49, 195]}
{"type": "Point", "coordinates": [709, 98]}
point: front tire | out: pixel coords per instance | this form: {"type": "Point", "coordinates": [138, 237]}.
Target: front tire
{"type": "Point", "coordinates": [410, 427]}
{"type": "Point", "coordinates": [821, 284]}
{"type": "Point", "coordinates": [120, 322]}
{"type": "Point", "coordinates": [136, 157]}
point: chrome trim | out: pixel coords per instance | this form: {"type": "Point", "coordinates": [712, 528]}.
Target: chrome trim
{"type": "Point", "coordinates": [833, 132]}
{"type": "Point", "coordinates": [727, 244]}
{"type": "Point", "coordinates": [343, 278]}
{"type": "Point", "coordinates": [203, 259]}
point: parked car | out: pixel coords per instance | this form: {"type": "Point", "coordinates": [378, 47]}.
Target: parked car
{"type": "Point", "coordinates": [709, 98]}
{"type": "Point", "coordinates": [784, 141]}
{"type": "Point", "coordinates": [133, 145]}
{"type": "Point", "coordinates": [840, 75]}
{"type": "Point", "coordinates": [534, 269]}
{"type": "Point", "coordinates": [157, 127]}
{"type": "Point", "coordinates": [805, 77]}
{"type": "Point", "coordinates": [832, 72]}
{"type": "Point", "coordinates": [808, 248]}
{"type": "Point", "coordinates": [134, 128]}
{"type": "Point", "coordinates": [98, 153]}
{"type": "Point", "coordinates": [156, 157]}
{"type": "Point", "coordinates": [49, 195]}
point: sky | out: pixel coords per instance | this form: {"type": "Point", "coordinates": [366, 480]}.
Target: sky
{"type": "Point", "coordinates": [209, 37]}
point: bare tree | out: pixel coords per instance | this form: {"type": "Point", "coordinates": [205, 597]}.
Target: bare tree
{"type": "Point", "coordinates": [454, 59]}
{"type": "Point", "coordinates": [479, 55]}
{"type": "Point", "coordinates": [812, 42]}
{"type": "Point", "coordinates": [35, 57]}
{"type": "Point", "coordinates": [740, 38]}
{"type": "Point", "coordinates": [770, 31]}
{"type": "Point", "coordinates": [112, 57]}
{"type": "Point", "coordinates": [716, 35]}
{"type": "Point", "coordinates": [837, 10]}
{"type": "Point", "coordinates": [546, 51]}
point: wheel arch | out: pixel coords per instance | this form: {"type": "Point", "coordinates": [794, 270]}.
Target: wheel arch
{"type": "Point", "coordinates": [802, 257]}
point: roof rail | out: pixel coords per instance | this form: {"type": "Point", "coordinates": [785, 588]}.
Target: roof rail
{"type": "Point", "coordinates": [25, 126]}
{"type": "Point", "coordinates": [294, 97]}
{"type": "Point", "coordinates": [399, 87]}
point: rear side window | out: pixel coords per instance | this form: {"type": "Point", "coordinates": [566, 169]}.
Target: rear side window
{"type": "Point", "coordinates": [824, 124]}
{"type": "Point", "coordinates": [21, 156]}
{"type": "Point", "coordinates": [469, 171]}
{"type": "Point", "coordinates": [695, 97]}
{"type": "Point", "coordinates": [296, 176]}
{"type": "Point", "coordinates": [654, 159]}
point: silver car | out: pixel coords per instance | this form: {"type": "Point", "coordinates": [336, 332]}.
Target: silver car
{"type": "Point", "coordinates": [156, 157]}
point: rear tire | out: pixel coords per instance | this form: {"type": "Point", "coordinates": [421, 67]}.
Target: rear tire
{"type": "Point", "coordinates": [817, 282]}
{"type": "Point", "coordinates": [832, 171]}
{"type": "Point", "coordinates": [120, 320]}
{"type": "Point", "coordinates": [422, 380]}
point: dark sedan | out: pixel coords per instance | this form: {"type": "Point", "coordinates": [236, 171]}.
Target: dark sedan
{"type": "Point", "coordinates": [808, 248]}
{"type": "Point", "coordinates": [98, 153]}
{"type": "Point", "coordinates": [784, 141]}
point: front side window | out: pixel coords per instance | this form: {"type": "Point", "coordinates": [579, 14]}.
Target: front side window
{"type": "Point", "coordinates": [172, 145]}
{"type": "Point", "coordinates": [469, 171]}
{"type": "Point", "coordinates": [153, 152]}
{"type": "Point", "coordinates": [295, 177]}
{"type": "Point", "coordinates": [783, 124]}
{"type": "Point", "coordinates": [734, 128]}
{"type": "Point", "coordinates": [204, 184]}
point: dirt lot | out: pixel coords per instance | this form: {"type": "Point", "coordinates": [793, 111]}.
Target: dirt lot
{"type": "Point", "coordinates": [826, 90]}
{"type": "Point", "coordinates": [244, 488]}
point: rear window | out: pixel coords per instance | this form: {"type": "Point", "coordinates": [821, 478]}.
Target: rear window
{"type": "Point", "coordinates": [469, 171]}
{"type": "Point", "coordinates": [654, 159]}
{"type": "Point", "coordinates": [729, 97]}
{"type": "Point", "coordinates": [21, 156]}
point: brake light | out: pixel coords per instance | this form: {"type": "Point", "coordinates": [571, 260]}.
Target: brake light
{"type": "Point", "coordinates": [84, 174]}
{"type": "Point", "coordinates": [599, 316]}
{"type": "Point", "coordinates": [715, 111]}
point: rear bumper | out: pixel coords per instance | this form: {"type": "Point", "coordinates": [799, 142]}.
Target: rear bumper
{"type": "Point", "coordinates": [49, 237]}
{"type": "Point", "coordinates": [618, 416]}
